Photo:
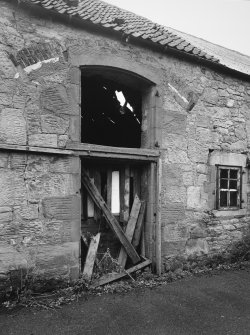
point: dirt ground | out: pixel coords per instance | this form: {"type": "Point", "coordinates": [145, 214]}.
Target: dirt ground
{"type": "Point", "coordinates": [218, 304]}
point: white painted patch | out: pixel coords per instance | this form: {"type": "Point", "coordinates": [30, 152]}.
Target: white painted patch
{"type": "Point", "coordinates": [115, 192]}
{"type": "Point", "coordinates": [174, 90]}
{"type": "Point", "coordinates": [38, 65]}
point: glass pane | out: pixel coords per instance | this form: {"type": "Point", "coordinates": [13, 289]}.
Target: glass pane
{"type": "Point", "coordinates": [233, 184]}
{"type": "Point", "coordinates": [224, 173]}
{"type": "Point", "coordinates": [234, 174]}
{"type": "Point", "coordinates": [233, 199]}
{"type": "Point", "coordinates": [224, 183]}
{"type": "Point", "coordinates": [223, 198]}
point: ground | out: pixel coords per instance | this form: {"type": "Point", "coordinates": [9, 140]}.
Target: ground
{"type": "Point", "coordinates": [217, 304]}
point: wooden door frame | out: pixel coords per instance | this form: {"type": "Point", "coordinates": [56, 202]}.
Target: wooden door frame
{"type": "Point", "coordinates": [150, 162]}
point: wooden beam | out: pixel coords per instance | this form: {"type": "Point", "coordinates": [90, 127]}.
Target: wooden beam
{"type": "Point", "coordinates": [139, 224]}
{"type": "Point", "coordinates": [130, 229]}
{"type": "Point", "coordinates": [93, 150]}
{"type": "Point", "coordinates": [115, 276]}
{"type": "Point", "coordinates": [40, 149]}
{"type": "Point", "coordinates": [111, 220]}
{"type": "Point", "coordinates": [90, 260]}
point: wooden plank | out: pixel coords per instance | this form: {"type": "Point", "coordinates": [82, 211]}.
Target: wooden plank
{"type": "Point", "coordinates": [126, 193]}
{"type": "Point", "coordinates": [139, 224]}
{"type": "Point", "coordinates": [40, 149]}
{"type": "Point", "coordinates": [90, 260]}
{"type": "Point", "coordinates": [97, 182]}
{"type": "Point", "coordinates": [115, 276]}
{"type": "Point", "coordinates": [130, 229]}
{"type": "Point", "coordinates": [109, 187]}
{"type": "Point", "coordinates": [122, 186]}
{"type": "Point", "coordinates": [111, 220]}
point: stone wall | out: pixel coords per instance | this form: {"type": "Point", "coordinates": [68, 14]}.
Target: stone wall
{"type": "Point", "coordinates": [39, 216]}
{"type": "Point", "coordinates": [195, 113]}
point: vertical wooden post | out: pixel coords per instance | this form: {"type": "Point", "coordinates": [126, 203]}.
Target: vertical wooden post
{"type": "Point", "coordinates": [126, 193]}
{"type": "Point", "coordinates": [158, 218]}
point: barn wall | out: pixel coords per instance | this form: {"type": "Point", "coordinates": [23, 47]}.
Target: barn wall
{"type": "Point", "coordinates": [195, 115]}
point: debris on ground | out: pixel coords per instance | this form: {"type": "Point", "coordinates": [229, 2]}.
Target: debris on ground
{"type": "Point", "coordinates": [140, 279]}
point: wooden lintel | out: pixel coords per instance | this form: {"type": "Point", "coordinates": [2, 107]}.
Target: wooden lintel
{"type": "Point", "coordinates": [111, 220]}
{"type": "Point", "coordinates": [92, 150]}
{"type": "Point", "coordinates": [115, 276]}
{"type": "Point", "coordinates": [27, 149]}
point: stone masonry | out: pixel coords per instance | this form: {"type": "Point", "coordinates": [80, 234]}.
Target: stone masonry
{"type": "Point", "coordinates": [201, 114]}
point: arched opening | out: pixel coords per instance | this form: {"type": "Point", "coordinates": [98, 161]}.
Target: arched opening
{"type": "Point", "coordinates": [111, 106]}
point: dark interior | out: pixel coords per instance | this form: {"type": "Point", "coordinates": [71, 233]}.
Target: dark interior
{"type": "Point", "coordinates": [106, 118]}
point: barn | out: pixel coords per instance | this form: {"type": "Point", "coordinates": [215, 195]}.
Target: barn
{"type": "Point", "coordinates": [120, 133]}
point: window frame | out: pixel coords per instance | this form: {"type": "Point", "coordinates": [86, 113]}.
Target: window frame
{"type": "Point", "coordinates": [219, 188]}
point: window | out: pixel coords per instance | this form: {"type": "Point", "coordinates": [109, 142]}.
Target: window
{"type": "Point", "coordinates": [228, 187]}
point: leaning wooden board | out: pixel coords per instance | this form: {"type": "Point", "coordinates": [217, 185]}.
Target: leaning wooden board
{"type": "Point", "coordinates": [115, 276]}
{"type": "Point", "coordinates": [130, 229]}
{"type": "Point", "coordinates": [90, 259]}
{"type": "Point", "coordinates": [111, 220]}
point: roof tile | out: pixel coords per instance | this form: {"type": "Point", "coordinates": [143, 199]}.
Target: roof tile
{"type": "Point", "coordinates": [112, 17]}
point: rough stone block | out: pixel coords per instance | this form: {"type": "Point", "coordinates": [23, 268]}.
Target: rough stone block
{"type": "Point", "coordinates": [10, 259]}
{"type": "Point", "coordinates": [193, 197]}
{"type": "Point", "coordinates": [174, 194]}
{"type": "Point", "coordinates": [43, 140]}
{"type": "Point", "coordinates": [57, 260]}
{"type": "Point", "coordinates": [172, 213]}
{"type": "Point", "coordinates": [61, 208]}
{"type": "Point", "coordinates": [175, 232]}
{"type": "Point", "coordinates": [6, 217]}
{"type": "Point", "coordinates": [174, 123]}
{"type": "Point", "coordinates": [18, 161]}
{"type": "Point", "coordinates": [54, 124]}
{"type": "Point", "coordinates": [12, 188]}
{"type": "Point", "coordinates": [49, 185]}
{"type": "Point", "coordinates": [197, 247]}
{"type": "Point", "coordinates": [171, 174]}
{"type": "Point", "coordinates": [74, 128]}
{"type": "Point", "coordinates": [55, 99]}
{"type": "Point", "coordinates": [3, 160]}
{"type": "Point", "coordinates": [65, 165]}
{"type": "Point", "coordinates": [173, 248]}
{"type": "Point", "coordinates": [12, 126]}
{"type": "Point", "coordinates": [62, 141]}
{"type": "Point", "coordinates": [27, 212]}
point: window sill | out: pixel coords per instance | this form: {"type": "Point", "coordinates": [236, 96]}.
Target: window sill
{"type": "Point", "coordinates": [230, 212]}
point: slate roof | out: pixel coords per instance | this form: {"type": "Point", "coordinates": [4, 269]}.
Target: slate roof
{"type": "Point", "coordinates": [114, 18]}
